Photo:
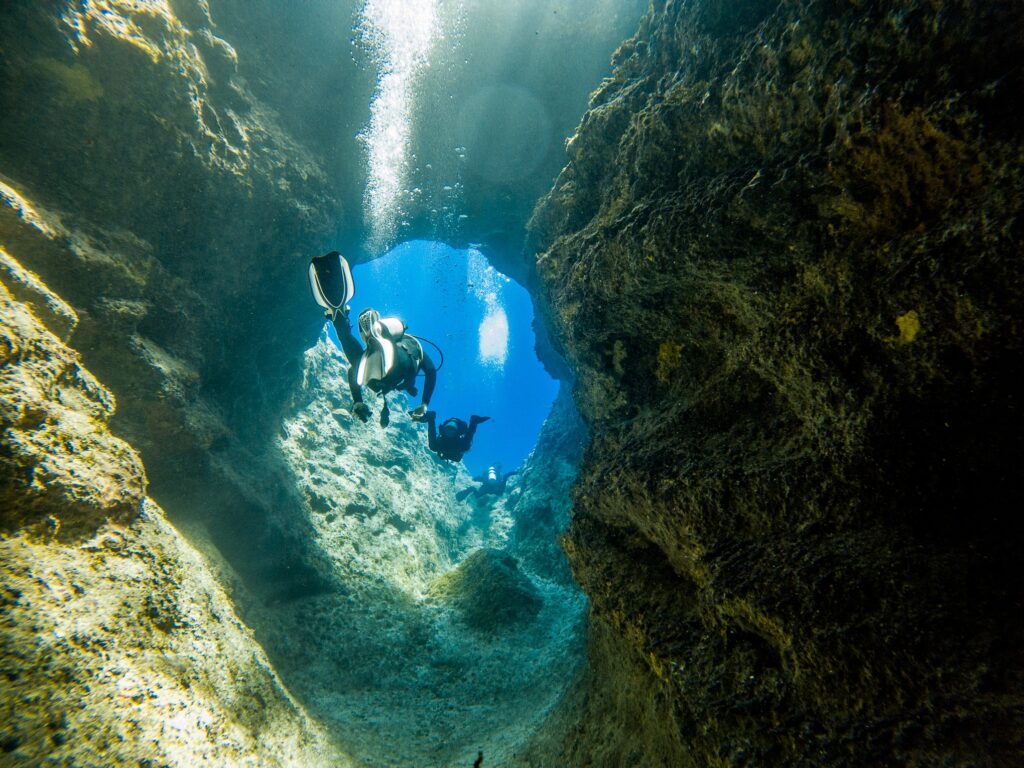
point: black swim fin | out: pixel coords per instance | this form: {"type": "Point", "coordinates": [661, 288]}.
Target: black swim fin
{"type": "Point", "coordinates": [330, 280]}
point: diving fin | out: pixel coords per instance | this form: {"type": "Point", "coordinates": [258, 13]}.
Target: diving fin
{"type": "Point", "coordinates": [330, 279]}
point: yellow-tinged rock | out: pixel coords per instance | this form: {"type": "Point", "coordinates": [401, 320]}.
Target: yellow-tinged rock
{"type": "Point", "coordinates": [909, 325]}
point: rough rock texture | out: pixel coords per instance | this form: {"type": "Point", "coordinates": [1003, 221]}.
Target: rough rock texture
{"type": "Point", "coordinates": [146, 185]}
{"type": "Point", "coordinates": [539, 498]}
{"type": "Point", "coordinates": [489, 592]}
{"type": "Point", "coordinates": [398, 640]}
{"type": "Point", "coordinates": [784, 264]}
{"type": "Point", "coordinates": [123, 650]}
{"type": "Point", "coordinates": [60, 468]}
{"type": "Point", "coordinates": [117, 645]}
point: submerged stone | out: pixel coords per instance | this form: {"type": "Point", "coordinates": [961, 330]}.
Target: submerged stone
{"type": "Point", "coordinates": [489, 591]}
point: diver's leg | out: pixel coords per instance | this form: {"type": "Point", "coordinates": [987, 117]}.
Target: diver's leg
{"type": "Point", "coordinates": [353, 351]}
{"type": "Point", "coordinates": [349, 343]}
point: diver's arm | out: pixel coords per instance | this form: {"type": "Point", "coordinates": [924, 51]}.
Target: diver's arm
{"type": "Point", "coordinates": [353, 384]}
{"type": "Point", "coordinates": [429, 378]}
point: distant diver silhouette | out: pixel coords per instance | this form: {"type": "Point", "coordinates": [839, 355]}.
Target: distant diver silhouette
{"type": "Point", "coordinates": [392, 358]}
{"type": "Point", "coordinates": [492, 483]}
{"type": "Point", "coordinates": [454, 437]}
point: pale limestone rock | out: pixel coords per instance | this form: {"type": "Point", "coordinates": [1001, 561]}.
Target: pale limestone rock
{"type": "Point", "coordinates": [117, 644]}
{"type": "Point", "coordinates": [58, 461]}
{"type": "Point", "coordinates": [125, 651]}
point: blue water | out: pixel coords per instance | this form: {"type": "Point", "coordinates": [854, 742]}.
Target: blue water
{"type": "Point", "coordinates": [483, 322]}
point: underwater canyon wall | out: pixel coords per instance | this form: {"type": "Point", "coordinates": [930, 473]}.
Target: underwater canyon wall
{"type": "Point", "coordinates": [784, 264]}
{"type": "Point", "coordinates": [148, 187]}
{"type": "Point", "coordinates": [118, 645]}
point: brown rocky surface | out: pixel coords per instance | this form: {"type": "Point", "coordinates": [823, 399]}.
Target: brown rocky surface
{"type": "Point", "coordinates": [60, 468]}
{"type": "Point", "coordinates": [784, 264]}
{"type": "Point", "coordinates": [117, 644]}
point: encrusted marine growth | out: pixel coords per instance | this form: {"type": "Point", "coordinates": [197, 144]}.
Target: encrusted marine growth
{"type": "Point", "coordinates": [61, 471]}
{"type": "Point", "coordinates": [784, 264]}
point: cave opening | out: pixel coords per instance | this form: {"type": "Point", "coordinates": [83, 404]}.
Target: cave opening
{"type": "Point", "coordinates": [481, 322]}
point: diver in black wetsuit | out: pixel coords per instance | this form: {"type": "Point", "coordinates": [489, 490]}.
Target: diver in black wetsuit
{"type": "Point", "coordinates": [492, 483]}
{"type": "Point", "coordinates": [391, 359]}
{"type": "Point", "coordinates": [454, 437]}
{"type": "Point", "coordinates": [369, 366]}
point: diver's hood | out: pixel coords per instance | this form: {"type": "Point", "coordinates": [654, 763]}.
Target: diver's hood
{"type": "Point", "coordinates": [379, 334]}
{"type": "Point", "coordinates": [330, 279]}
{"type": "Point", "coordinates": [451, 427]}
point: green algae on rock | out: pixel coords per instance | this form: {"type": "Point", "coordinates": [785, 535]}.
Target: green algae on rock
{"type": "Point", "coordinates": [795, 522]}
{"type": "Point", "coordinates": [489, 592]}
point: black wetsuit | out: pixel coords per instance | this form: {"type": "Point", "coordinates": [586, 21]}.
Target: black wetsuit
{"type": "Point", "coordinates": [454, 447]}
{"type": "Point", "coordinates": [410, 359]}
{"type": "Point", "coordinates": [488, 486]}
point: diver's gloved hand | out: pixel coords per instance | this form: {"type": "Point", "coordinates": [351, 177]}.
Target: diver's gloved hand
{"type": "Point", "coordinates": [385, 416]}
{"type": "Point", "coordinates": [419, 412]}
{"type": "Point", "coordinates": [362, 410]}
{"type": "Point", "coordinates": [478, 419]}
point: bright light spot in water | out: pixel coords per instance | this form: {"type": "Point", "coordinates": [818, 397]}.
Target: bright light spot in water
{"type": "Point", "coordinates": [494, 337]}
{"type": "Point", "coordinates": [485, 282]}
{"type": "Point", "coordinates": [401, 33]}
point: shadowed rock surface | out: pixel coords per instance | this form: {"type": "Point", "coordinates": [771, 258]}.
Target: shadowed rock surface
{"type": "Point", "coordinates": [784, 265]}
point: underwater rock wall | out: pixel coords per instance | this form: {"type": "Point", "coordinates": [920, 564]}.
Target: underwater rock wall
{"type": "Point", "coordinates": [144, 182]}
{"type": "Point", "coordinates": [784, 264]}
{"type": "Point", "coordinates": [117, 644]}
{"type": "Point", "coordinates": [423, 634]}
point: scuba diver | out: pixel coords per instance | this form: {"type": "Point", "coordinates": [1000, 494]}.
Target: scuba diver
{"type": "Point", "coordinates": [492, 483]}
{"type": "Point", "coordinates": [454, 437]}
{"type": "Point", "coordinates": [392, 358]}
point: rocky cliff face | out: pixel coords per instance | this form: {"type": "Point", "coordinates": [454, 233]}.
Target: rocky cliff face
{"type": "Point", "coordinates": [784, 264]}
{"type": "Point", "coordinates": [147, 185]}
{"type": "Point", "coordinates": [117, 645]}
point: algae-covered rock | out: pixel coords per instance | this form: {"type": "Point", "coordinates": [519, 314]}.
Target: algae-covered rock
{"type": "Point", "coordinates": [117, 644]}
{"type": "Point", "coordinates": [59, 463]}
{"type": "Point", "coordinates": [489, 591]}
{"type": "Point", "coordinates": [784, 264]}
